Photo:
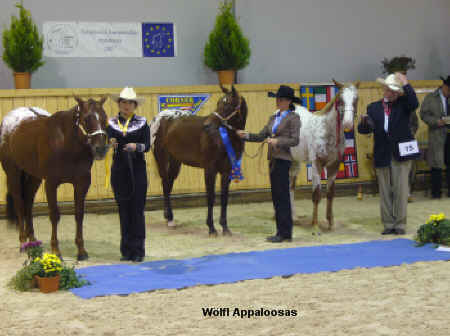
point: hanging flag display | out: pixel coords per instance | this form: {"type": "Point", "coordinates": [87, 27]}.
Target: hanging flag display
{"type": "Point", "coordinates": [191, 102]}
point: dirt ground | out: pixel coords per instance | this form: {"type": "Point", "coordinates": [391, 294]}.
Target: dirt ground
{"type": "Point", "coordinates": [406, 300]}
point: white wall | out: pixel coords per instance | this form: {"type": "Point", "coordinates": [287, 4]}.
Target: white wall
{"type": "Point", "coordinates": [314, 40]}
{"type": "Point", "coordinates": [194, 19]}
{"type": "Point", "coordinates": [291, 40]}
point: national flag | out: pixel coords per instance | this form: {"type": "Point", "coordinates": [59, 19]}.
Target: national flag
{"type": "Point", "coordinates": [341, 172]}
{"type": "Point", "coordinates": [307, 95]}
{"type": "Point", "coordinates": [351, 166]}
{"type": "Point", "coordinates": [158, 39]}
{"type": "Point", "coordinates": [320, 97]}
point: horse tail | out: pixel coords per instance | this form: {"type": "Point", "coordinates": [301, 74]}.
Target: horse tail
{"type": "Point", "coordinates": [11, 214]}
{"type": "Point", "coordinates": [10, 211]}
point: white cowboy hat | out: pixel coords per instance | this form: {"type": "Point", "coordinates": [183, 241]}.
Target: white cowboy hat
{"type": "Point", "coordinates": [392, 82]}
{"type": "Point", "coordinates": [128, 93]}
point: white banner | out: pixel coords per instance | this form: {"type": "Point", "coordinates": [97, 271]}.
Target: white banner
{"type": "Point", "coordinates": [92, 39]}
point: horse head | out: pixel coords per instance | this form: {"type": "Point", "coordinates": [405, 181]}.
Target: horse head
{"type": "Point", "coordinates": [91, 119]}
{"type": "Point", "coordinates": [349, 96]}
{"type": "Point", "coordinates": [232, 108]}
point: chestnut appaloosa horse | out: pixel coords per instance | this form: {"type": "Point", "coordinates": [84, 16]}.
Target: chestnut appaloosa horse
{"type": "Point", "coordinates": [179, 137]}
{"type": "Point", "coordinates": [322, 143]}
{"type": "Point", "coordinates": [58, 148]}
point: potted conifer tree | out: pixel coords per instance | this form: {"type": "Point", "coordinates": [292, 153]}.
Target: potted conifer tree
{"type": "Point", "coordinates": [22, 47]}
{"type": "Point", "coordinates": [227, 49]}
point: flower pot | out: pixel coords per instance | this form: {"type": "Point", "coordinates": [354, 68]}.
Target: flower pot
{"type": "Point", "coordinates": [22, 80]}
{"type": "Point", "coordinates": [48, 285]}
{"type": "Point", "coordinates": [226, 76]}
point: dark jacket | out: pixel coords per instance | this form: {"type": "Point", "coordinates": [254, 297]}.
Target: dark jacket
{"type": "Point", "coordinates": [138, 132]}
{"type": "Point", "coordinates": [287, 134]}
{"type": "Point", "coordinates": [431, 112]}
{"type": "Point", "coordinates": [386, 144]}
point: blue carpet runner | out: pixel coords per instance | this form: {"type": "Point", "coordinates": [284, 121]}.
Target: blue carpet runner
{"type": "Point", "coordinates": [123, 279]}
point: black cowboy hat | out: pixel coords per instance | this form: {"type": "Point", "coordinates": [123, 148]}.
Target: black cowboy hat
{"type": "Point", "coordinates": [285, 92]}
{"type": "Point", "coordinates": [446, 81]}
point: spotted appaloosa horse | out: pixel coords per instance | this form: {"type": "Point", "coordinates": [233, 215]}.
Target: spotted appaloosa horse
{"type": "Point", "coordinates": [58, 148]}
{"type": "Point", "coordinates": [322, 142]}
{"type": "Point", "coordinates": [179, 137]}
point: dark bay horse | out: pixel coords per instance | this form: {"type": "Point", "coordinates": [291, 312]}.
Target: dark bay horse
{"type": "Point", "coordinates": [58, 148]}
{"type": "Point", "coordinates": [195, 141]}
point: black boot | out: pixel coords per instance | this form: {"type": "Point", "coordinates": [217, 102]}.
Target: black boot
{"type": "Point", "coordinates": [436, 182]}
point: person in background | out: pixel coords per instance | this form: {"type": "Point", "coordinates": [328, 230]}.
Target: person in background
{"type": "Point", "coordinates": [434, 112]}
{"type": "Point", "coordinates": [282, 131]}
{"type": "Point", "coordinates": [389, 120]}
{"type": "Point", "coordinates": [130, 135]}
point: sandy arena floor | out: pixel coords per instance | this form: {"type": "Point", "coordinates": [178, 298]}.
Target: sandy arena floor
{"type": "Point", "coordinates": [408, 300]}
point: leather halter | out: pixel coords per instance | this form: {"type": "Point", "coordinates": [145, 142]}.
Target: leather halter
{"type": "Point", "coordinates": [224, 120]}
{"type": "Point", "coordinates": [82, 128]}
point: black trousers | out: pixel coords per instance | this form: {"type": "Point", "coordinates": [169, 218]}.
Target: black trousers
{"type": "Point", "coordinates": [130, 192]}
{"type": "Point", "coordinates": [279, 181]}
{"type": "Point", "coordinates": [436, 173]}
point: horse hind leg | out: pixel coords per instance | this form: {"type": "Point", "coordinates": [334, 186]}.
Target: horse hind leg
{"type": "Point", "coordinates": [174, 168]}
{"type": "Point", "coordinates": [316, 173]}
{"type": "Point", "coordinates": [50, 190]}
{"type": "Point", "coordinates": [332, 170]}
{"type": "Point", "coordinates": [31, 187]}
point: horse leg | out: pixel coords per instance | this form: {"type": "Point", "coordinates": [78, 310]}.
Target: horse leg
{"type": "Point", "coordinates": [316, 173]}
{"type": "Point", "coordinates": [80, 189]}
{"type": "Point", "coordinates": [31, 187]}
{"type": "Point", "coordinates": [210, 182]}
{"type": "Point", "coordinates": [293, 173]}
{"type": "Point", "coordinates": [162, 161]}
{"type": "Point", "coordinates": [15, 185]}
{"type": "Point", "coordinates": [332, 170]}
{"type": "Point", "coordinates": [173, 171]}
{"type": "Point", "coordinates": [225, 184]}
{"type": "Point", "coordinates": [50, 191]}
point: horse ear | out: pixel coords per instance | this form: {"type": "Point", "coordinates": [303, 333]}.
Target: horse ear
{"type": "Point", "coordinates": [224, 89]}
{"type": "Point", "coordinates": [78, 100]}
{"type": "Point", "coordinates": [234, 91]}
{"type": "Point", "coordinates": [338, 85]}
{"type": "Point", "coordinates": [102, 101]}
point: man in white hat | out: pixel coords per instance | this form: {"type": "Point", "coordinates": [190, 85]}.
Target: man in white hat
{"type": "Point", "coordinates": [394, 147]}
{"type": "Point", "coordinates": [435, 113]}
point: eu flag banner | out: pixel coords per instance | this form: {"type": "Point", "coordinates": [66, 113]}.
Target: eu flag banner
{"type": "Point", "coordinates": [158, 39]}
{"type": "Point", "coordinates": [191, 103]}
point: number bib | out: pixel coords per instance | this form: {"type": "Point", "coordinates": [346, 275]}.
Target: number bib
{"type": "Point", "coordinates": [408, 148]}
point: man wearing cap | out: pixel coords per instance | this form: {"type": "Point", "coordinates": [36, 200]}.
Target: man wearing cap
{"type": "Point", "coordinates": [283, 130]}
{"type": "Point", "coordinates": [435, 113]}
{"type": "Point", "coordinates": [394, 147]}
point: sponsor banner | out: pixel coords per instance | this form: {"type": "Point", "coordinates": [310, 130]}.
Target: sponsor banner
{"type": "Point", "coordinates": [192, 102]}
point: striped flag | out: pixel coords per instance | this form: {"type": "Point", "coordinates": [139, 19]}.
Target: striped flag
{"type": "Point", "coordinates": [320, 97]}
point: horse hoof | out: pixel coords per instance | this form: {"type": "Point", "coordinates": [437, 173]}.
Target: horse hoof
{"type": "Point", "coordinates": [82, 257]}
{"type": "Point", "coordinates": [213, 234]}
{"type": "Point", "coordinates": [171, 224]}
{"type": "Point", "coordinates": [316, 233]}
{"type": "Point", "coordinates": [227, 233]}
